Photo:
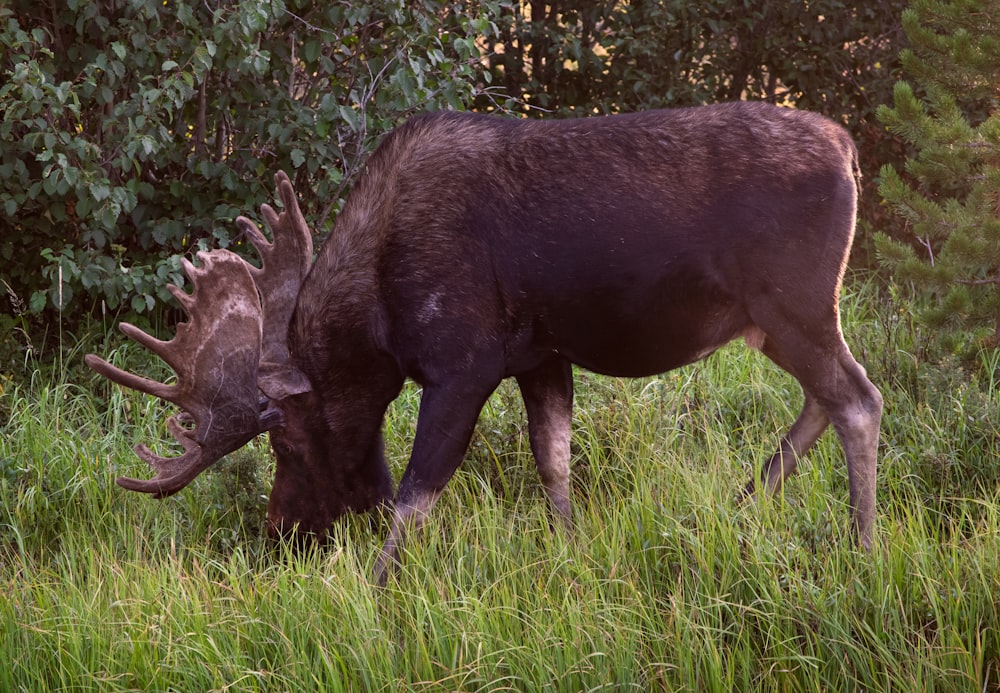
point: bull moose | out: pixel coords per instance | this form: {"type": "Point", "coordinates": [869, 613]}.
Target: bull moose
{"type": "Point", "coordinates": [474, 248]}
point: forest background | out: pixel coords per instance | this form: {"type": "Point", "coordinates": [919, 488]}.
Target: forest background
{"type": "Point", "coordinates": [135, 132]}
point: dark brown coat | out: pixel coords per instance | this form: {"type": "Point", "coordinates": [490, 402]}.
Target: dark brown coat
{"type": "Point", "coordinates": [476, 248]}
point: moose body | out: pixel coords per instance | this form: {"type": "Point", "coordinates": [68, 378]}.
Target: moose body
{"type": "Point", "coordinates": [476, 248]}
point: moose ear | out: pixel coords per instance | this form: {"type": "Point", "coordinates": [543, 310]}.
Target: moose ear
{"type": "Point", "coordinates": [279, 380]}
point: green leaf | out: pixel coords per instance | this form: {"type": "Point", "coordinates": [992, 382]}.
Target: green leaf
{"type": "Point", "coordinates": [311, 50]}
{"type": "Point", "coordinates": [36, 304]}
{"type": "Point", "coordinates": [99, 192]}
{"type": "Point", "coordinates": [84, 204]}
{"type": "Point", "coordinates": [406, 84]}
{"type": "Point", "coordinates": [351, 117]}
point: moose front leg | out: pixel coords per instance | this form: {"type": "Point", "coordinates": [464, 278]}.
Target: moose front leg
{"type": "Point", "coordinates": [547, 392]}
{"type": "Point", "coordinates": [447, 418]}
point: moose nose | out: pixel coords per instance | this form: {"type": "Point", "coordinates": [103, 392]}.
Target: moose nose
{"type": "Point", "coordinates": [294, 534]}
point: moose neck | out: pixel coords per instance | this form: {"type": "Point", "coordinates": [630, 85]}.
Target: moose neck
{"type": "Point", "coordinates": [336, 340]}
{"type": "Point", "coordinates": [330, 458]}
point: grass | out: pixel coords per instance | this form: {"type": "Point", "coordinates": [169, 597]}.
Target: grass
{"type": "Point", "coordinates": [664, 584]}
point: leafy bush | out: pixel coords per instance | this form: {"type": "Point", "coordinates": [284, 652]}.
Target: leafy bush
{"type": "Point", "coordinates": [134, 132]}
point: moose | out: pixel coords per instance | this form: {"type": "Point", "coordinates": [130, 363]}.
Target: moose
{"type": "Point", "coordinates": [475, 248]}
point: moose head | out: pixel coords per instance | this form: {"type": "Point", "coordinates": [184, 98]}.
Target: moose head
{"type": "Point", "coordinates": [235, 379]}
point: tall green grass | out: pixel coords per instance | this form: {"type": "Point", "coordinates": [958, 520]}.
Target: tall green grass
{"type": "Point", "coordinates": [665, 583]}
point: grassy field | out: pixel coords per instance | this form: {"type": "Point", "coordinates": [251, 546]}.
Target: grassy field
{"type": "Point", "coordinates": [665, 584]}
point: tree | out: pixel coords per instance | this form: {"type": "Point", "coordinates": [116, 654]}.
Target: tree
{"type": "Point", "coordinates": [136, 131]}
{"type": "Point", "coordinates": [949, 192]}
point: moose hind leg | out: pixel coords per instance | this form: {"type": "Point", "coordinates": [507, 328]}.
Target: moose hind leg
{"type": "Point", "coordinates": [808, 427]}
{"type": "Point", "coordinates": [856, 416]}
{"type": "Point", "coordinates": [547, 392]}
{"type": "Point", "coordinates": [833, 379]}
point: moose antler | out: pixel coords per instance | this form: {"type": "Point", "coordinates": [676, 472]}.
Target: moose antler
{"type": "Point", "coordinates": [217, 353]}
{"type": "Point", "coordinates": [284, 264]}
{"type": "Point", "coordinates": [215, 356]}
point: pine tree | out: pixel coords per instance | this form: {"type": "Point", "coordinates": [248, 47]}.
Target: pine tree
{"type": "Point", "coordinates": [949, 194]}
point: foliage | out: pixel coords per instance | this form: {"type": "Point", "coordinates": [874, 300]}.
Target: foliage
{"type": "Point", "coordinates": [838, 57]}
{"type": "Point", "coordinates": [949, 192]}
{"type": "Point", "coordinates": [604, 55]}
{"type": "Point", "coordinates": [135, 132]}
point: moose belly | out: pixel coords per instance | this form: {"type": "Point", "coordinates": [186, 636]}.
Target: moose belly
{"type": "Point", "coordinates": [633, 335]}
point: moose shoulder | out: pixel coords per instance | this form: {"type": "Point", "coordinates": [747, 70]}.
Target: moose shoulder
{"type": "Point", "coordinates": [476, 248]}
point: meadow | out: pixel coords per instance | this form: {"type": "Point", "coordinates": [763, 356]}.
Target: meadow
{"type": "Point", "coordinates": [666, 583]}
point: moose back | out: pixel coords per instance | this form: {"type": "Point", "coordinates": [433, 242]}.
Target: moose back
{"type": "Point", "coordinates": [476, 248]}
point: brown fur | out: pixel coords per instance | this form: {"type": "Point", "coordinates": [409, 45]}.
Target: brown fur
{"type": "Point", "coordinates": [477, 248]}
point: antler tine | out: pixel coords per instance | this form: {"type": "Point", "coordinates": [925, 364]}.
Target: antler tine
{"type": "Point", "coordinates": [285, 263]}
{"type": "Point", "coordinates": [215, 356]}
{"type": "Point", "coordinates": [171, 477]}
